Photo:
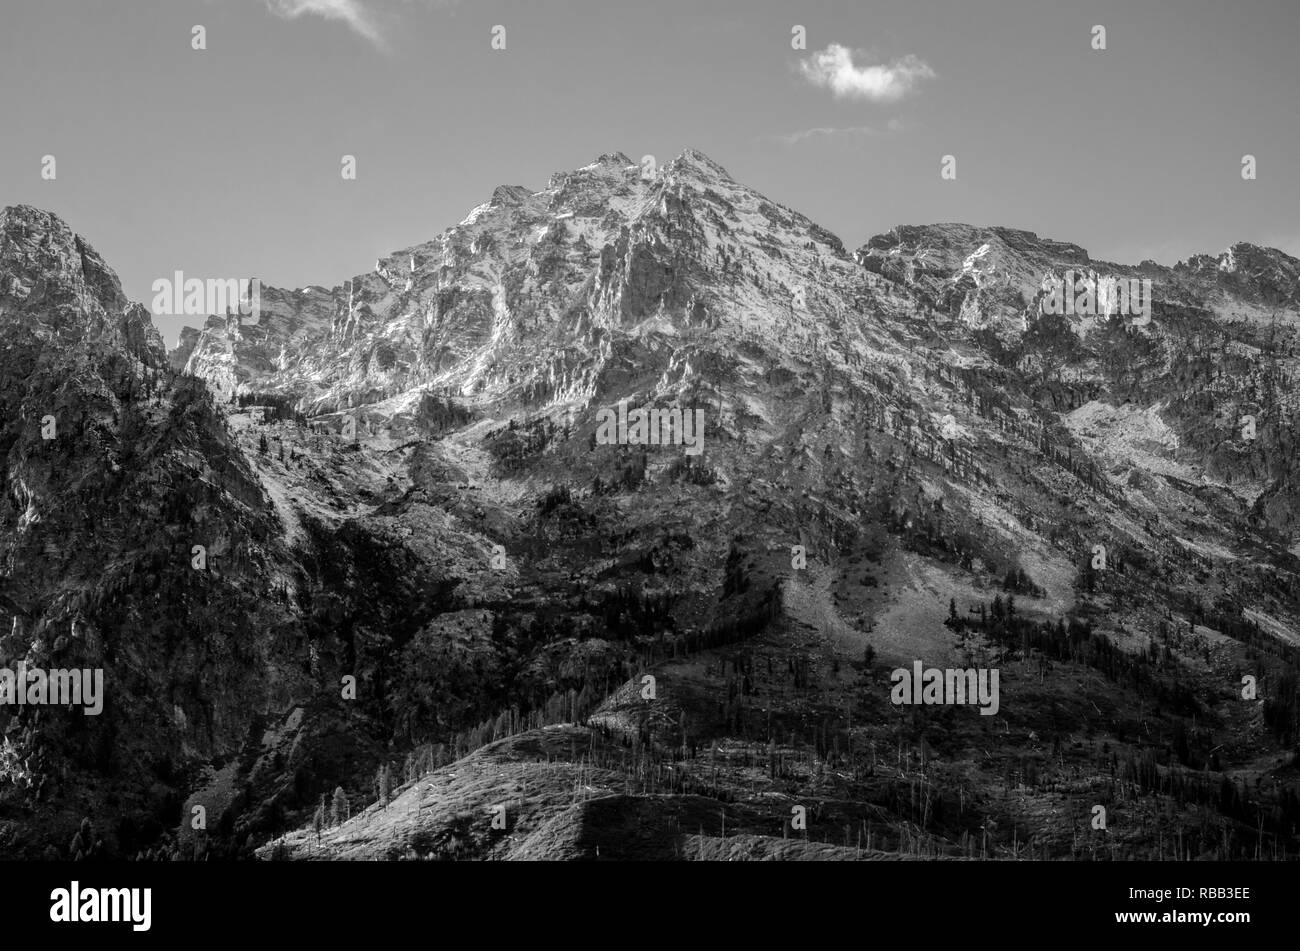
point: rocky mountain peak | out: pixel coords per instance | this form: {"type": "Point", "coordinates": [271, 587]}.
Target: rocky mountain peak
{"type": "Point", "coordinates": [26, 218]}
{"type": "Point", "coordinates": [508, 195]}
{"type": "Point", "coordinates": [1270, 277]}
{"type": "Point", "coordinates": [55, 284]}
{"type": "Point", "coordinates": [38, 245]}
{"type": "Point", "coordinates": [616, 159]}
{"type": "Point", "coordinates": [695, 162]}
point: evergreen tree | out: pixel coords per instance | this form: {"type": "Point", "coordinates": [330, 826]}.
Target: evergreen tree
{"type": "Point", "coordinates": [340, 810]}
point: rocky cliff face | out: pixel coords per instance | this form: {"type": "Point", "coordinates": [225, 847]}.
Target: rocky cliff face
{"type": "Point", "coordinates": [425, 541]}
{"type": "Point", "coordinates": [114, 468]}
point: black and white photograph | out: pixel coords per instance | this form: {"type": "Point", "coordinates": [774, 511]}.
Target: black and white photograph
{"type": "Point", "coordinates": [447, 432]}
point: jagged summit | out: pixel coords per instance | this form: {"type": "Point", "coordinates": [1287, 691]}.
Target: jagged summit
{"type": "Point", "coordinates": [617, 159]}
{"type": "Point", "coordinates": [608, 246]}
{"type": "Point", "coordinates": [22, 213]}
{"type": "Point", "coordinates": [17, 211]}
{"type": "Point", "coordinates": [509, 194]}
{"type": "Point", "coordinates": [1270, 278]}
{"type": "Point", "coordinates": [53, 283]}
{"type": "Point", "coordinates": [696, 160]}
{"type": "Point", "coordinates": [34, 237]}
{"type": "Point", "coordinates": [26, 226]}
{"type": "Point", "coordinates": [689, 159]}
{"type": "Point", "coordinates": [1242, 255]}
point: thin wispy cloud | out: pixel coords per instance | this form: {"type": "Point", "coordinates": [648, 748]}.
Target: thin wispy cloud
{"type": "Point", "coordinates": [366, 18]}
{"type": "Point", "coordinates": [794, 138]}
{"type": "Point", "coordinates": [833, 68]}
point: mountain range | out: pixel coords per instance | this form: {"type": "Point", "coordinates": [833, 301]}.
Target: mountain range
{"type": "Point", "coordinates": [367, 579]}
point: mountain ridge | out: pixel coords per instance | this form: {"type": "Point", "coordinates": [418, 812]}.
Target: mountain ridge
{"type": "Point", "coordinates": [403, 481]}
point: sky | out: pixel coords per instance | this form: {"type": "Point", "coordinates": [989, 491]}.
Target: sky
{"type": "Point", "coordinates": [226, 161]}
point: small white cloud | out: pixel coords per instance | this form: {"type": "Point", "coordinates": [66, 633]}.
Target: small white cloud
{"type": "Point", "coordinates": [793, 138]}
{"type": "Point", "coordinates": [356, 15]}
{"type": "Point", "coordinates": [833, 68]}
{"type": "Point", "coordinates": [360, 16]}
